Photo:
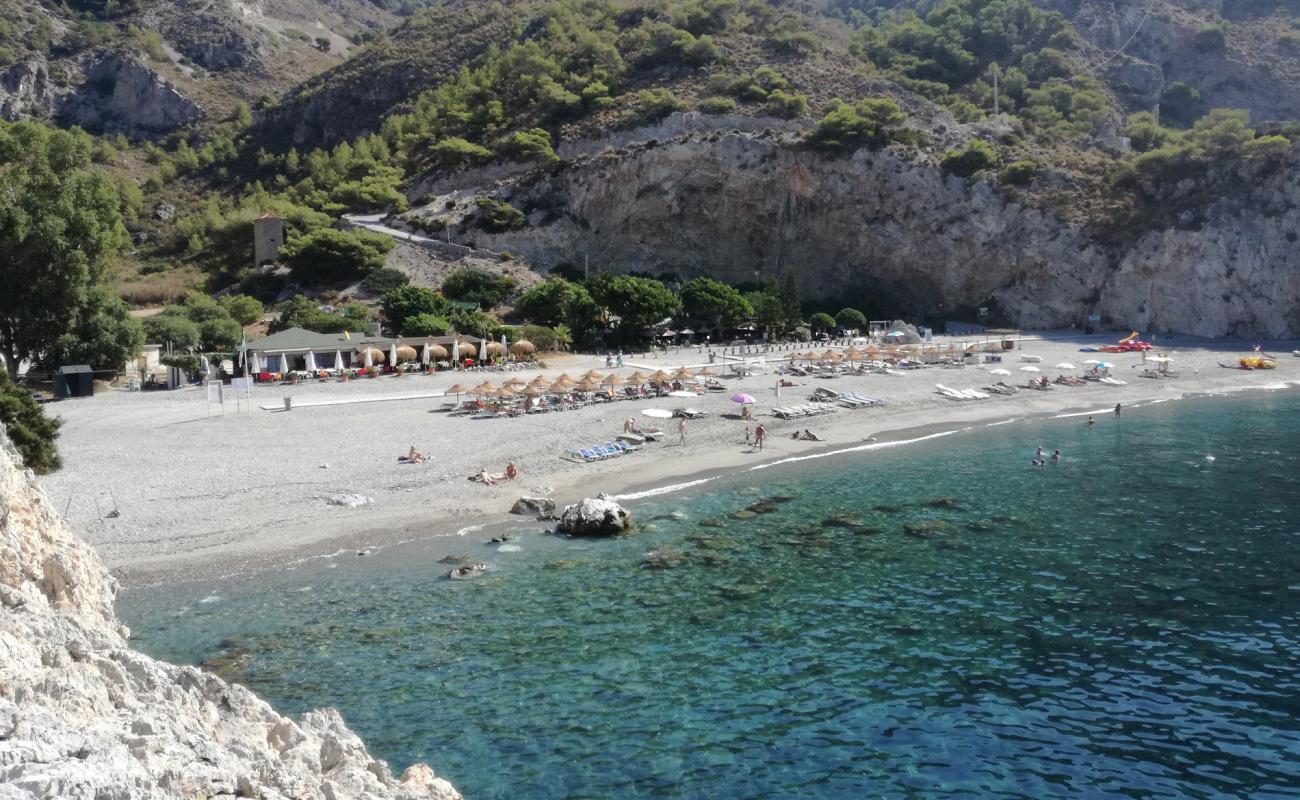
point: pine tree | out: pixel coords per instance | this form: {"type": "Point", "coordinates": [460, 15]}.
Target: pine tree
{"type": "Point", "coordinates": [791, 308]}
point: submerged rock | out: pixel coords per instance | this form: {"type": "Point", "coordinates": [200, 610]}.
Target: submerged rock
{"type": "Point", "coordinates": [710, 523]}
{"type": "Point", "coordinates": [842, 521]}
{"type": "Point", "coordinates": [941, 502]}
{"type": "Point", "coordinates": [926, 528]}
{"type": "Point", "coordinates": [781, 498]}
{"type": "Point", "coordinates": [763, 507]}
{"type": "Point", "coordinates": [663, 559]}
{"type": "Point", "coordinates": [744, 513]}
{"type": "Point", "coordinates": [887, 509]}
{"type": "Point", "coordinates": [676, 516]}
{"type": "Point", "coordinates": [595, 516]}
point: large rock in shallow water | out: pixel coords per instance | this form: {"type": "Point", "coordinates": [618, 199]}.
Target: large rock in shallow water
{"type": "Point", "coordinates": [595, 516]}
{"type": "Point", "coordinates": [534, 506]}
{"type": "Point", "coordinates": [83, 715]}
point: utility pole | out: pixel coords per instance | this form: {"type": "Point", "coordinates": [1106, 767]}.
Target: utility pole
{"type": "Point", "coordinates": [586, 266]}
{"type": "Point", "coordinates": [995, 89]}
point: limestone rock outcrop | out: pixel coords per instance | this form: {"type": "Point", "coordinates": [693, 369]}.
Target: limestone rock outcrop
{"type": "Point", "coordinates": [83, 715]}
{"type": "Point", "coordinates": [534, 506]}
{"type": "Point", "coordinates": [744, 206]}
{"type": "Point", "coordinates": [122, 95]}
{"type": "Point", "coordinates": [595, 516]}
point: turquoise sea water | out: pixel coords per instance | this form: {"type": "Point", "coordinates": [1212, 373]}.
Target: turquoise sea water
{"type": "Point", "coordinates": [1125, 623]}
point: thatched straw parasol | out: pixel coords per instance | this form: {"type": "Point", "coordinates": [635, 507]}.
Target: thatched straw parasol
{"type": "Point", "coordinates": [612, 380]}
{"type": "Point", "coordinates": [376, 355]}
{"type": "Point", "coordinates": [810, 356]}
{"type": "Point", "coordinates": [485, 387]}
{"type": "Point", "coordinates": [683, 373]}
{"type": "Point", "coordinates": [468, 350]}
{"type": "Point", "coordinates": [437, 351]}
{"type": "Point", "coordinates": [458, 389]}
{"type": "Point", "coordinates": [523, 347]}
{"type": "Point", "coordinates": [496, 349]}
{"type": "Point", "coordinates": [565, 379]}
{"type": "Point", "coordinates": [587, 386]}
{"type": "Point", "coordinates": [557, 388]}
{"type": "Point", "coordinates": [539, 381]}
{"type": "Point", "coordinates": [590, 374]}
{"type": "Point", "coordinates": [406, 353]}
{"type": "Point", "coordinates": [705, 373]}
{"type": "Point", "coordinates": [515, 381]}
{"type": "Point", "coordinates": [830, 355]}
{"type": "Point", "coordinates": [637, 381]}
{"type": "Point", "coordinates": [662, 376]}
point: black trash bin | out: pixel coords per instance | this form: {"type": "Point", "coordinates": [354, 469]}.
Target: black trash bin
{"type": "Point", "coordinates": [77, 380]}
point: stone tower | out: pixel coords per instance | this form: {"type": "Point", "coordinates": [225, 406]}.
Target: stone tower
{"type": "Point", "coordinates": [268, 235]}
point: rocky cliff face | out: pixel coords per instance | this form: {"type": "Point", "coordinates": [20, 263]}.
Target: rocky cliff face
{"type": "Point", "coordinates": [744, 207]}
{"type": "Point", "coordinates": [83, 715]}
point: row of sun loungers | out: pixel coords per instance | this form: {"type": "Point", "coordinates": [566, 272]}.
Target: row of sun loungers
{"type": "Point", "coordinates": [600, 452]}
{"type": "Point", "coordinates": [800, 411]}
{"type": "Point", "coordinates": [960, 394]}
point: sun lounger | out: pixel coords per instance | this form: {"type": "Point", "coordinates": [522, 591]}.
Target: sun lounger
{"type": "Point", "coordinates": [951, 394]}
{"type": "Point", "coordinates": [974, 394]}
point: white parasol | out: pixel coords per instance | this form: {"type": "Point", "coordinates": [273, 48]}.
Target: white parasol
{"type": "Point", "coordinates": [392, 354]}
{"type": "Point", "coordinates": [482, 349]}
{"type": "Point", "coordinates": [370, 359]}
{"type": "Point", "coordinates": [311, 361]}
{"type": "Point", "coordinates": [254, 364]}
{"type": "Point", "coordinates": [682, 393]}
{"type": "Point", "coordinates": [657, 413]}
{"type": "Point", "coordinates": [338, 360]}
{"type": "Point", "coordinates": [1029, 369]}
{"type": "Point", "coordinates": [424, 354]}
{"type": "Point", "coordinates": [1065, 365]}
{"type": "Point", "coordinates": [999, 372]}
{"type": "Point", "coordinates": [455, 350]}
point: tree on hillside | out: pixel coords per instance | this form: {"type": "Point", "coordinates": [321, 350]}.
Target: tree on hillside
{"type": "Point", "coordinates": [243, 309]}
{"type": "Point", "coordinates": [821, 322]}
{"type": "Point", "coordinates": [791, 307]}
{"type": "Point", "coordinates": [32, 432]}
{"type": "Point", "coordinates": [715, 303]}
{"type": "Point", "coordinates": [851, 319]}
{"type": "Point", "coordinates": [869, 123]}
{"type": "Point", "coordinates": [59, 227]}
{"type": "Point", "coordinates": [475, 285]}
{"type": "Point", "coordinates": [103, 334]}
{"type": "Point", "coordinates": [638, 302]}
{"type": "Point", "coordinates": [328, 255]}
{"type": "Point", "coordinates": [547, 303]}
{"type": "Point", "coordinates": [408, 301]}
{"type": "Point", "coordinates": [768, 313]}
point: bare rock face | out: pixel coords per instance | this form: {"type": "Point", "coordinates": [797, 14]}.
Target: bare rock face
{"type": "Point", "coordinates": [744, 207]}
{"type": "Point", "coordinates": [123, 95]}
{"type": "Point", "coordinates": [26, 90]}
{"type": "Point", "coordinates": [84, 715]}
{"type": "Point", "coordinates": [595, 516]}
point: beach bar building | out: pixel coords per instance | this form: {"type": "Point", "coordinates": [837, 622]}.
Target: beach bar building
{"type": "Point", "coordinates": [299, 350]}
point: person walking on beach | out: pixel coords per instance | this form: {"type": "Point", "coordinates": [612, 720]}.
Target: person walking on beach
{"type": "Point", "coordinates": [749, 435]}
{"type": "Point", "coordinates": [1117, 411]}
{"type": "Point", "coordinates": [681, 431]}
{"type": "Point", "coordinates": [759, 433]}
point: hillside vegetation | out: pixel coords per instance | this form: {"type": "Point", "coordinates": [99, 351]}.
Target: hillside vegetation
{"type": "Point", "coordinates": [1035, 98]}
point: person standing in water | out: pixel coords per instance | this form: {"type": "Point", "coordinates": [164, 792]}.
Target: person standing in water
{"type": "Point", "coordinates": [1117, 406]}
{"type": "Point", "coordinates": [1090, 421]}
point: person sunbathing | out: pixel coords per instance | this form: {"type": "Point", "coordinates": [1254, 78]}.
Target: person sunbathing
{"type": "Point", "coordinates": [511, 471]}
{"type": "Point", "coordinates": [412, 456]}
{"type": "Point", "coordinates": [809, 436]}
{"type": "Point", "coordinates": [486, 478]}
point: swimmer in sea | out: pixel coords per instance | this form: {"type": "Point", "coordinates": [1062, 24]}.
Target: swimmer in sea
{"type": "Point", "coordinates": [1091, 421]}
{"type": "Point", "coordinates": [1056, 455]}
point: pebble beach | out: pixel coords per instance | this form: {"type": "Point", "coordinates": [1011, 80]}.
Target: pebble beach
{"type": "Point", "coordinates": [167, 486]}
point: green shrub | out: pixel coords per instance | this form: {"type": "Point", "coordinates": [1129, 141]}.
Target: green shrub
{"type": "Point", "coordinates": [1018, 173]}
{"type": "Point", "coordinates": [1212, 40]}
{"type": "Point", "coordinates": [243, 309]}
{"type": "Point", "coordinates": [1180, 105]}
{"type": "Point", "coordinates": [547, 339]}
{"type": "Point", "coordinates": [426, 325]}
{"type": "Point", "coordinates": [327, 255]}
{"type": "Point", "coordinates": [1266, 147]}
{"type": "Point", "coordinates": [529, 145]}
{"type": "Point", "coordinates": [495, 216]}
{"type": "Point", "coordinates": [1146, 133]}
{"type": "Point", "coordinates": [976, 156]}
{"type": "Point", "coordinates": [457, 152]}
{"type": "Point", "coordinates": [785, 105]}
{"type": "Point", "coordinates": [799, 43]}
{"type": "Point", "coordinates": [652, 105]}
{"type": "Point", "coordinates": [870, 123]}
{"type": "Point", "coordinates": [718, 105]}
{"type": "Point", "coordinates": [383, 280]}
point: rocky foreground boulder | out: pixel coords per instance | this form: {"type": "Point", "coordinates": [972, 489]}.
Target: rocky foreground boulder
{"type": "Point", "coordinates": [595, 516]}
{"type": "Point", "coordinates": [82, 715]}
